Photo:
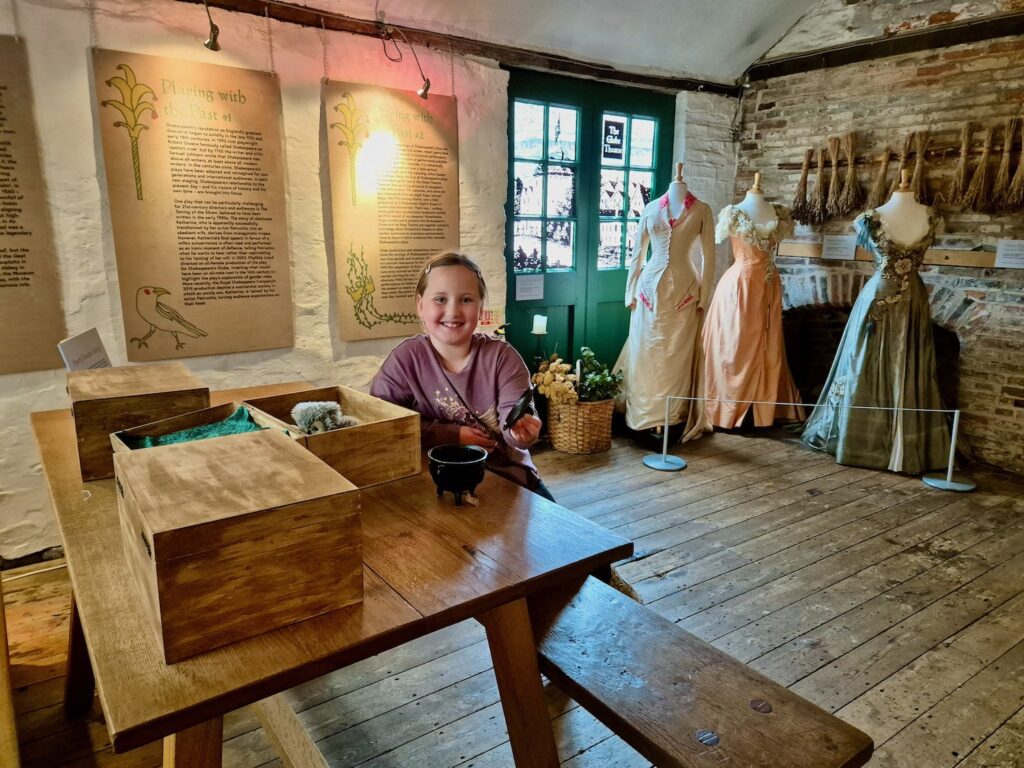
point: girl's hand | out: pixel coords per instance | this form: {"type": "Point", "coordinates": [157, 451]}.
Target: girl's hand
{"type": "Point", "coordinates": [476, 436]}
{"type": "Point", "coordinates": [526, 430]}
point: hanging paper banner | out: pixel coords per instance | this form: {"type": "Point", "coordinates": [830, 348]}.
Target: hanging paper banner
{"type": "Point", "coordinates": [394, 176]}
{"type": "Point", "coordinates": [30, 307]}
{"type": "Point", "coordinates": [195, 178]}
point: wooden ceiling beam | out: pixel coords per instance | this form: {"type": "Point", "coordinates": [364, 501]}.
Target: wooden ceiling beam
{"type": "Point", "coordinates": [293, 13]}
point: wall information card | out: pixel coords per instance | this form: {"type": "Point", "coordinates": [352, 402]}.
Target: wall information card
{"type": "Point", "coordinates": [394, 176]}
{"type": "Point", "coordinates": [192, 153]}
{"type": "Point", "coordinates": [30, 307]}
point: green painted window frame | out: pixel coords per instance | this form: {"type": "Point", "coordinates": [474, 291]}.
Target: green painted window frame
{"type": "Point", "coordinates": [592, 100]}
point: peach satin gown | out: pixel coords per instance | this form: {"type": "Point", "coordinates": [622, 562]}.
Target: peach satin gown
{"type": "Point", "coordinates": [745, 355]}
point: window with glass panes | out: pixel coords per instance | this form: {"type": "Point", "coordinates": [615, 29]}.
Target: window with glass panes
{"type": "Point", "coordinates": [545, 168]}
{"type": "Point", "coordinates": [628, 168]}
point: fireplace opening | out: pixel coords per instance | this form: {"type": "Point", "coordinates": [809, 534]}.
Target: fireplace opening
{"type": "Point", "coordinates": [812, 337]}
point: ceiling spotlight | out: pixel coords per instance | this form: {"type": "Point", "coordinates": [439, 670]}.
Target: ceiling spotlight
{"type": "Point", "coordinates": [424, 89]}
{"type": "Point", "coordinates": [211, 42]}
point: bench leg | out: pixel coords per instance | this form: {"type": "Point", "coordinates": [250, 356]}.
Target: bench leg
{"type": "Point", "coordinates": [79, 683]}
{"type": "Point", "coordinates": [197, 747]}
{"type": "Point", "coordinates": [514, 654]}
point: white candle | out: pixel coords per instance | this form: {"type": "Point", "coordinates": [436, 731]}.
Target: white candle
{"type": "Point", "coordinates": [578, 370]}
{"type": "Point", "coordinates": [540, 324]}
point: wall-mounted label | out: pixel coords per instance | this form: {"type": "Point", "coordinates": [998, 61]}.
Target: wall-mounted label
{"type": "Point", "coordinates": [843, 247]}
{"type": "Point", "coordinates": [1010, 254]}
{"type": "Point", "coordinates": [613, 143]}
{"type": "Point", "coordinates": [529, 287]}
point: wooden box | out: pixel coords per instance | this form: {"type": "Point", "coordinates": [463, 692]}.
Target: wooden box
{"type": "Point", "coordinates": [384, 446]}
{"type": "Point", "coordinates": [107, 400]}
{"type": "Point", "coordinates": [120, 440]}
{"type": "Point", "coordinates": [234, 536]}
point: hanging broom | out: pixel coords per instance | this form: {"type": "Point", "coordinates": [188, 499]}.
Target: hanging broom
{"type": "Point", "coordinates": [799, 208]}
{"type": "Point", "coordinates": [1015, 194]}
{"type": "Point", "coordinates": [832, 206]}
{"type": "Point", "coordinates": [918, 183]}
{"type": "Point", "coordinates": [852, 196]}
{"type": "Point", "coordinates": [816, 213]}
{"type": "Point", "coordinates": [977, 196]}
{"type": "Point", "coordinates": [958, 185]}
{"type": "Point", "coordinates": [877, 195]}
{"type": "Point", "coordinates": [904, 156]}
{"type": "Point", "coordinates": [1001, 187]}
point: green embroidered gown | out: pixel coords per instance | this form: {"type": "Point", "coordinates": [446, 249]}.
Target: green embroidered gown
{"type": "Point", "coordinates": [885, 358]}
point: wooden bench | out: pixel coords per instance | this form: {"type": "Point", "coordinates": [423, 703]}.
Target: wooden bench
{"type": "Point", "coordinates": [674, 698]}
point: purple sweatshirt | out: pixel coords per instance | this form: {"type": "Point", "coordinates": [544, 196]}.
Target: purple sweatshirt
{"type": "Point", "coordinates": [490, 383]}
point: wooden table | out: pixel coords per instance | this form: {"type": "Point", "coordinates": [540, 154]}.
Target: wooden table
{"type": "Point", "coordinates": [427, 564]}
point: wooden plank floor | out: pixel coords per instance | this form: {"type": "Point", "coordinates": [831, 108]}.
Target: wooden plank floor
{"type": "Point", "coordinates": [898, 607]}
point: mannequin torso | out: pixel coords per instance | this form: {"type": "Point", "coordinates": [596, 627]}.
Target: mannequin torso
{"type": "Point", "coordinates": [676, 197]}
{"type": "Point", "coordinates": [758, 210]}
{"type": "Point", "coordinates": [905, 219]}
{"type": "Point", "coordinates": [677, 192]}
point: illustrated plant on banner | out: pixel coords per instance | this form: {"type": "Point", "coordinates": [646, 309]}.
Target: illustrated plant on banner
{"type": "Point", "coordinates": [394, 173]}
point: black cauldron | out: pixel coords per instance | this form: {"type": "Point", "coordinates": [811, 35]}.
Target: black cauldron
{"type": "Point", "coordinates": [457, 468]}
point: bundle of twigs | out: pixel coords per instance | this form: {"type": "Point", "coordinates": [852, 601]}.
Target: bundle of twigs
{"type": "Point", "coordinates": [904, 157]}
{"type": "Point", "coordinates": [958, 184]}
{"type": "Point", "coordinates": [832, 207]}
{"type": "Point", "coordinates": [977, 196]}
{"type": "Point", "coordinates": [799, 208]}
{"type": "Point", "coordinates": [877, 194]}
{"type": "Point", "coordinates": [1001, 187]}
{"type": "Point", "coordinates": [816, 209]}
{"type": "Point", "coordinates": [1014, 200]}
{"type": "Point", "coordinates": [851, 197]}
{"type": "Point", "coordinates": [918, 183]}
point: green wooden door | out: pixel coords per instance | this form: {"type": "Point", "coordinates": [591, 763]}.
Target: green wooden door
{"type": "Point", "coordinates": [584, 158]}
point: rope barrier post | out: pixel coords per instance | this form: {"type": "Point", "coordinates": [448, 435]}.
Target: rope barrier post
{"type": "Point", "coordinates": [948, 482]}
{"type": "Point", "coordinates": [663, 462]}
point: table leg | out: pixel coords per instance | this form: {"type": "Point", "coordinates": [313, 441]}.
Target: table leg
{"type": "Point", "coordinates": [79, 683]}
{"type": "Point", "coordinates": [514, 654]}
{"type": "Point", "coordinates": [197, 747]}
{"type": "Point", "coordinates": [291, 740]}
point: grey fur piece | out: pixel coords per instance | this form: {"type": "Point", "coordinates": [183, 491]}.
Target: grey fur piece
{"type": "Point", "coordinates": [320, 416]}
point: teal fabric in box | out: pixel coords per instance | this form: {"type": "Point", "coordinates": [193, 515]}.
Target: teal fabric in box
{"type": "Point", "coordinates": [238, 422]}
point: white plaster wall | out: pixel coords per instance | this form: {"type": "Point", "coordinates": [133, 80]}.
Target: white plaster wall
{"type": "Point", "coordinates": [58, 36]}
{"type": "Point", "coordinates": [703, 142]}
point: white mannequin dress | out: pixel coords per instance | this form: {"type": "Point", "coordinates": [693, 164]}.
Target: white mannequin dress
{"type": "Point", "coordinates": [663, 354]}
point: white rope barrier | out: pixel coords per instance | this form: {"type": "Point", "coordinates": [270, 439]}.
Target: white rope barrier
{"type": "Point", "coordinates": [664, 462]}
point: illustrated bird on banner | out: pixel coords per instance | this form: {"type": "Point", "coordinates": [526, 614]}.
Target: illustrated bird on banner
{"type": "Point", "coordinates": [162, 317]}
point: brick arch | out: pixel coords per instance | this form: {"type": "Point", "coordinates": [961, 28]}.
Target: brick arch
{"type": "Point", "coordinates": [955, 309]}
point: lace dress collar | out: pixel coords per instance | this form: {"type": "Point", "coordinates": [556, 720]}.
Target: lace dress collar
{"type": "Point", "coordinates": [871, 228]}
{"type": "Point", "coordinates": [733, 221]}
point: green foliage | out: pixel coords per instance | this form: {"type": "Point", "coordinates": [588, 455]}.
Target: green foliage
{"type": "Point", "coordinates": [597, 382]}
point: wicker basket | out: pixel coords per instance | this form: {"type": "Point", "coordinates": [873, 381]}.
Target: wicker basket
{"type": "Point", "coordinates": [581, 427]}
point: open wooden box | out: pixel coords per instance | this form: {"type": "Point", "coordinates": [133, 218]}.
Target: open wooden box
{"type": "Point", "coordinates": [120, 440]}
{"type": "Point", "coordinates": [234, 536]}
{"type": "Point", "coordinates": [106, 400]}
{"type": "Point", "coordinates": [384, 446]}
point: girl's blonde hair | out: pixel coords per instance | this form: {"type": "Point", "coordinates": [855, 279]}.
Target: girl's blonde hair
{"type": "Point", "coordinates": [451, 259]}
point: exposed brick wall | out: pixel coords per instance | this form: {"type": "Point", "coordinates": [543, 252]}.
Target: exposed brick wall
{"type": "Point", "coordinates": [881, 101]}
{"type": "Point", "coordinates": [829, 23]}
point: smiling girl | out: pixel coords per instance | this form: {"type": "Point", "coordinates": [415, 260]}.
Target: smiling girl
{"type": "Point", "coordinates": [463, 384]}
